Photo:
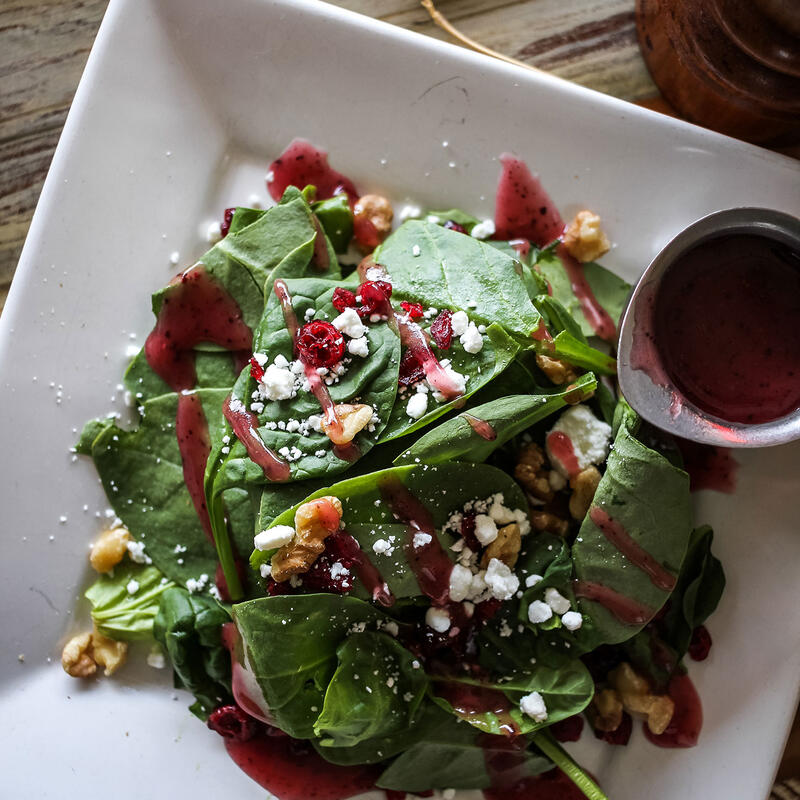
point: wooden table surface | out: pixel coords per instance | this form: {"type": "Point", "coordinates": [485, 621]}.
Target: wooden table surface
{"type": "Point", "coordinates": [44, 45]}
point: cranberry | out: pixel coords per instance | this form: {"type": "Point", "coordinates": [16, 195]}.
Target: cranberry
{"type": "Point", "coordinates": [621, 735]}
{"type": "Point", "coordinates": [341, 548]}
{"type": "Point", "coordinates": [274, 589]}
{"type": "Point", "coordinates": [320, 344]}
{"type": "Point", "coordinates": [454, 226]}
{"type": "Point", "coordinates": [410, 369]}
{"type": "Point", "coordinates": [343, 298]}
{"type": "Point", "coordinates": [226, 221]}
{"type": "Point", "coordinates": [700, 644]}
{"type": "Point", "coordinates": [256, 370]}
{"type": "Point", "coordinates": [442, 329]}
{"type": "Point", "coordinates": [232, 723]}
{"type": "Point", "coordinates": [374, 298]}
{"type": "Point", "coordinates": [569, 729]}
{"type": "Point", "coordinates": [468, 532]}
{"type": "Point", "coordinates": [414, 310]}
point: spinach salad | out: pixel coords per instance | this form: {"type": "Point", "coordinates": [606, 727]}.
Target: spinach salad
{"type": "Point", "coordinates": [384, 511]}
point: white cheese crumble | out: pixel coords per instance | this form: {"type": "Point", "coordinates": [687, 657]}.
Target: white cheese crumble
{"type": "Point", "coordinates": [483, 230]}
{"type": "Point", "coordinates": [417, 406]}
{"type": "Point", "coordinates": [533, 705]}
{"type": "Point", "coordinates": [590, 437]}
{"type": "Point", "coordinates": [155, 659]}
{"type": "Point", "coordinates": [460, 583]}
{"type": "Point", "coordinates": [485, 529]}
{"type": "Point", "coordinates": [415, 251]}
{"type": "Point", "coordinates": [358, 347]}
{"type": "Point", "coordinates": [350, 323]}
{"type": "Point", "coordinates": [382, 547]}
{"type": "Point", "coordinates": [459, 323]}
{"type": "Point", "coordinates": [471, 340]}
{"type": "Point", "coordinates": [265, 570]}
{"type": "Point", "coordinates": [501, 581]}
{"type": "Point", "coordinates": [539, 612]}
{"type": "Point", "coordinates": [273, 538]}
{"type": "Point", "coordinates": [133, 586]}
{"type": "Point", "coordinates": [213, 232]}
{"type": "Point", "coordinates": [532, 580]}
{"type": "Point", "coordinates": [438, 619]}
{"type": "Point", "coordinates": [421, 539]}
{"type": "Point", "coordinates": [458, 380]}
{"type": "Point", "coordinates": [339, 570]}
{"type": "Point", "coordinates": [572, 620]}
{"type": "Point", "coordinates": [556, 600]}
{"type": "Point", "coordinates": [278, 383]}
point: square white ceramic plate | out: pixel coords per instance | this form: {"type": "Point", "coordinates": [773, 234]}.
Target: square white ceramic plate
{"type": "Point", "coordinates": [182, 105]}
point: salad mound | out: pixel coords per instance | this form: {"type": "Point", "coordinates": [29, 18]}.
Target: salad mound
{"type": "Point", "coordinates": [384, 511]}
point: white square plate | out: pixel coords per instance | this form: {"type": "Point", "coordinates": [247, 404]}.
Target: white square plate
{"type": "Point", "coordinates": [182, 105]}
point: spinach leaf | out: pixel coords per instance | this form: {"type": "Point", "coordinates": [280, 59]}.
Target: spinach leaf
{"type": "Point", "coordinates": [458, 756]}
{"type": "Point", "coordinates": [610, 290]}
{"type": "Point", "coordinates": [142, 474]}
{"type": "Point", "coordinates": [480, 369]}
{"type": "Point", "coordinates": [458, 272]}
{"type": "Point", "coordinates": [291, 642]}
{"type": "Point", "coordinates": [462, 218]}
{"type": "Point", "coordinates": [120, 614]}
{"type": "Point", "coordinates": [566, 689]}
{"type": "Point", "coordinates": [649, 498]}
{"type": "Point", "coordinates": [442, 489]}
{"type": "Point", "coordinates": [189, 627]}
{"type": "Point", "coordinates": [507, 416]}
{"type": "Point", "coordinates": [375, 694]}
{"type": "Point", "coordinates": [336, 219]}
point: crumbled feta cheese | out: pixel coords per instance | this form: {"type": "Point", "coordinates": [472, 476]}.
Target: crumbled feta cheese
{"type": "Point", "coordinates": [350, 323]}
{"type": "Point", "coordinates": [382, 548]}
{"type": "Point", "coordinates": [501, 581]}
{"type": "Point", "coordinates": [533, 705]}
{"type": "Point", "coordinates": [417, 406]}
{"type": "Point", "coordinates": [589, 436]}
{"type": "Point", "coordinates": [485, 529]}
{"type": "Point", "coordinates": [483, 230]}
{"type": "Point", "coordinates": [409, 212]}
{"type": "Point", "coordinates": [499, 512]}
{"type": "Point", "coordinates": [421, 539]}
{"type": "Point", "coordinates": [265, 570]}
{"type": "Point", "coordinates": [315, 423]}
{"type": "Point", "coordinates": [460, 583]}
{"type": "Point", "coordinates": [539, 612]}
{"type": "Point", "coordinates": [281, 361]}
{"type": "Point", "coordinates": [456, 378]}
{"type": "Point", "coordinates": [155, 658]}
{"type": "Point", "coordinates": [339, 570]}
{"type": "Point", "coordinates": [459, 322]}
{"type": "Point", "coordinates": [278, 383]}
{"type": "Point", "coordinates": [572, 620]}
{"type": "Point", "coordinates": [532, 580]}
{"type": "Point", "coordinates": [273, 538]}
{"type": "Point", "coordinates": [133, 586]}
{"type": "Point", "coordinates": [438, 619]}
{"type": "Point", "coordinates": [213, 232]}
{"type": "Point", "coordinates": [415, 251]}
{"type": "Point", "coordinates": [556, 600]}
{"type": "Point", "coordinates": [471, 340]}
{"type": "Point", "coordinates": [358, 347]}
{"type": "Point", "coordinates": [137, 554]}
{"type": "Point", "coordinates": [391, 628]}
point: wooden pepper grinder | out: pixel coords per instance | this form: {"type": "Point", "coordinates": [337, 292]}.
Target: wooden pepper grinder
{"type": "Point", "coordinates": [730, 65]}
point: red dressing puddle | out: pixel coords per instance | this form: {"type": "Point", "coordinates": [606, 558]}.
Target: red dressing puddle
{"type": "Point", "coordinates": [367, 572]}
{"type": "Point", "coordinates": [430, 563]}
{"type": "Point", "coordinates": [523, 209]}
{"type": "Point", "coordinates": [632, 550]}
{"type": "Point", "coordinates": [301, 164]}
{"type": "Point", "coordinates": [625, 609]}
{"type": "Point", "coordinates": [194, 309]}
{"type": "Point", "coordinates": [687, 721]}
{"type": "Point", "coordinates": [191, 429]}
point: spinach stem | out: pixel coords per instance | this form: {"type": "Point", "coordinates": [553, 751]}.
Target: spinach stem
{"type": "Point", "coordinates": [556, 753]}
{"type": "Point", "coordinates": [222, 540]}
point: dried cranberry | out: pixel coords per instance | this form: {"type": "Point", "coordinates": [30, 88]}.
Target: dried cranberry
{"type": "Point", "coordinates": [232, 723]}
{"type": "Point", "coordinates": [340, 548]}
{"type": "Point", "coordinates": [454, 226]}
{"type": "Point", "coordinates": [226, 221]}
{"type": "Point", "coordinates": [621, 735]}
{"type": "Point", "coordinates": [442, 329]}
{"type": "Point", "coordinates": [414, 310]}
{"type": "Point", "coordinates": [411, 370]}
{"type": "Point", "coordinates": [468, 532]}
{"type": "Point", "coordinates": [256, 370]}
{"type": "Point", "coordinates": [700, 644]}
{"type": "Point", "coordinates": [569, 729]}
{"type": "Point", "coordinates": [274, 589]}
{"type": "Point", "coordinates": [343, 298]}
{"type": "Point", "coordinates": [320, 344]}
{"type": "Point", "coordinates": [374, 298]}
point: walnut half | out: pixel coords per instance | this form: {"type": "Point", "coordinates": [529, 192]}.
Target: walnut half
{"type": "Point", "coordinates": [354, 418]}
{"type": "Point", "coordinates": [584, 239]}
{"type": "Point", "coordinates": [584, 485]}
{"type": "Point", "coordinates": [109, 549]}
{"type": "Point", "coordinates": [639, 700]}
{"type": "Point", "coordinates": [505, 547]}
{"type": "Point", "coordinates": [557, 371]}
{"type": "Point", "coordinates": [314, 521]}
{"type": "Point", "coordinates": [84, 653]}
